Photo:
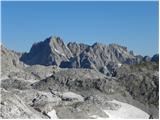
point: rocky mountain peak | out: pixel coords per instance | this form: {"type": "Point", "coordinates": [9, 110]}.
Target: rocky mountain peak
{"type": "Point", "coordinates": [51, 51]}
{"type": "Point", "coordinates": [56, 40]}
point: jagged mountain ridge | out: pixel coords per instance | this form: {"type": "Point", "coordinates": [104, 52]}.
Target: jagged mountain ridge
{"type": "Point", "coordinates": [53, 51]}
{"type": "Point", "coordinates": [104, 58]}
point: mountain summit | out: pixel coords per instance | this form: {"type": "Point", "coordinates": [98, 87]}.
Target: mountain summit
{"type": "Point", "coordinates": [48, 52]}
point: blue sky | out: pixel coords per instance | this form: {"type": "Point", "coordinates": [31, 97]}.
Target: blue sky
{"type": "Point", "coordinates": [131, 24]}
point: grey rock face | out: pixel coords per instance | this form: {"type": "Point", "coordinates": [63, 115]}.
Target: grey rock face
{"type": "Point", "coordinates": [10, 61]}
{"type": "Point", "coordinates": [78, 79]}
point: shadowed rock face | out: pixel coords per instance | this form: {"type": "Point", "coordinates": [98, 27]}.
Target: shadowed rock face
{"type": "Point", "coordinates": [146, 58]}
{"type": "Point", "coordinates": [155, 58]}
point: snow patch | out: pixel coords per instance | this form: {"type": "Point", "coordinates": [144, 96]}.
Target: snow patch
{"type": "Point", "coordinates": [126, 111]}
{"type": "Point", "coordinates": [119, 64]}
{"type": "Point", "coordinates": [96, 117]}
{"type": "Point", "coordinates": [59, 52]}
{"type": "Point", "coordinates": [52, 114]}
{"type": "Point", "coordinates": [31, 80]}
{"type": "Point", "coordinates": [49, 74]}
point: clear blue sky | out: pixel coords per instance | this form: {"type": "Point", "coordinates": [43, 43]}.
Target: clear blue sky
{"type": "Point", "coordinates": [131, 24]}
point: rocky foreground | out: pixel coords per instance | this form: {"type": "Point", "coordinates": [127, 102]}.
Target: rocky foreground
{"type": "Point", "coordinates": [78, 81]}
